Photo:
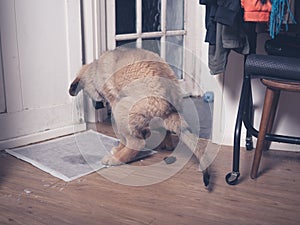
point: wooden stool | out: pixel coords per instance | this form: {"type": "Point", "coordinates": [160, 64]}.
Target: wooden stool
{"type": "Point", "coordinates": [268, 115]}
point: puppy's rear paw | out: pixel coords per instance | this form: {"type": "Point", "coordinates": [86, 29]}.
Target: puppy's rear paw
{"type": "Point", "coordinates": [110, 160]}
{"type": "Point", "coordinates": [116, 149]}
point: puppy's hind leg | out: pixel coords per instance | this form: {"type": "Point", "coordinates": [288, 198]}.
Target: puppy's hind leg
{"type": "Point", "coordinates": [118, 148]}
{"type": "Point", "coordinates": [126, 154]}
{"type": "Point", "coordinates": [167, 143]}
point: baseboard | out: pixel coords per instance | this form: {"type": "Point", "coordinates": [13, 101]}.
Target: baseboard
{"type": "Point", "coordinates": [41, 136]}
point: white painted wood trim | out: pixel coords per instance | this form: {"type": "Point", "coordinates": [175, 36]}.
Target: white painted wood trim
{"type": "Point", "coordinates": [139, 23]}
{"type": "Point", "coordinates": [95, 43]}
{"type": "Point", "coordinates": [88, 31]}
{"type": "Point", "coordinates": [11, 64]}
{"type": "Point", "coordinates": [41, 136]}
{"type": "Point", "coordinates": [111, 24]}
{"type": "Point", "coordinates": [163, 24]}
{"type": "Point", "coordinates": [102, 23]}
{"type": "Point", "coordinates": [94, 28]}
{"type": "Point", "coordinates": [2, 90]}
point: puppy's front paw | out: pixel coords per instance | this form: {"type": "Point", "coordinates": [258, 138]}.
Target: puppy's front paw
{"type": "Point", "coordinates": [110, 160]}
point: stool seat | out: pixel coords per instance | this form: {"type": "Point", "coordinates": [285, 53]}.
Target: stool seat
{"type": "Point", "coordinates": [273, 67]}
{"type": "Point", "coordinates": [282, 85]}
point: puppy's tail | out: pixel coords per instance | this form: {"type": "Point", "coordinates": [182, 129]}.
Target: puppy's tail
{"type": "Point", "coordinates": [175, 123]}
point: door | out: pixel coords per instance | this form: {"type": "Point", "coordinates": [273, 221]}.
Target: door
{"type": "Point", "coordinates": [40, 44]}
{"type": "Point", "coordinates": [174, 29]}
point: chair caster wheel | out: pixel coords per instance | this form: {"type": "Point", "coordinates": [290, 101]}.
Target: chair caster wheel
{"type": "Point", "coordinates": [232, 178]}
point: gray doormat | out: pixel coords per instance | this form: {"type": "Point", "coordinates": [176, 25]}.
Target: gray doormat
{"type": "Point", "coordinates": [70, 157]}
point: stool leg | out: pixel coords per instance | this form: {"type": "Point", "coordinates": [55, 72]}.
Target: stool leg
{"type": "Point", "coordinates": [272, 118]}
{"type": "Point", "coordinates": [270, 96]}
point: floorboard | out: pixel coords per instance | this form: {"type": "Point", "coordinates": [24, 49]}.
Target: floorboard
{"type": "Point", "coordinates": [30, 196]}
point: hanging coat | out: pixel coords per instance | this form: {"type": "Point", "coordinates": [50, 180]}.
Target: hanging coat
{"type": "Point", "coordinates": [256, 11]}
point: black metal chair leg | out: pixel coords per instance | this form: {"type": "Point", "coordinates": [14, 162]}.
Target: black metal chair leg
{"type": "Point", "coordinates": [249, 116]}
{"type": "Point", "coordinates": [232, 177]}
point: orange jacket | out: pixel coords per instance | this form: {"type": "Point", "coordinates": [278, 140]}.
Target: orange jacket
{"type": "Point", "coordinates": [255, 11]}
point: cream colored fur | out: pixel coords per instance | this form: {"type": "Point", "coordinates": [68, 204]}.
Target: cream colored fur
{"type": "Point", "coordinates": [140, 87]}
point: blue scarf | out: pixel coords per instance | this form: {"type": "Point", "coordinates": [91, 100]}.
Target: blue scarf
{"type": "Point", "coordinates": [277, 16]}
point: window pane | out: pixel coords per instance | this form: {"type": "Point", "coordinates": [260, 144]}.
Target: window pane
{"type": "Point", "coordinates": [127, 43]}
{"type": "Point", "coordinates": [151, 11]}
{"type": "Point", "coordinates": [152, 44]}
{"type": "Point", "coordinates": [174, 54]}
{"type": "Point", "coordinates": [125, 16]}
{"type": "Point", "coordinates": [175, 14]}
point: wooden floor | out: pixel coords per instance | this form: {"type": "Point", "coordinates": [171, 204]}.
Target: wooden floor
{"type": "Point", "coordinates": [30, 196]}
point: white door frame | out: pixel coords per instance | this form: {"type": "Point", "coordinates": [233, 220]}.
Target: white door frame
{"type": "Point", "coordinates": [94, 44]}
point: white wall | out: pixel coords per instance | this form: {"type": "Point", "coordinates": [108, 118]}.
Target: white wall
{"type": "Point", "coordinates": [198, 69]}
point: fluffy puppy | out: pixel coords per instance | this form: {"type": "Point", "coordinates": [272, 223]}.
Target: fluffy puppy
{"type": "Point", "coordinates": [141, 88]}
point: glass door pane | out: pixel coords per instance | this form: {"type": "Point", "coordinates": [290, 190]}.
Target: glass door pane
{"type": "Point", "coordinates": [125, 16]}
{"type": "Point", "coordinates": [151, 15]}
{"type": "Point", "coordinates": [155, 25]}
{"type": "Point", "coordinates": [175, 15]}
{"type": "Point", "coordinates": [152, 44]}
{"type": "Point", "coordinates": [127, 43]}
{"type": "Point", "coordinates": [174, 54]}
